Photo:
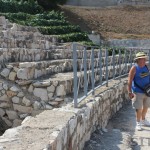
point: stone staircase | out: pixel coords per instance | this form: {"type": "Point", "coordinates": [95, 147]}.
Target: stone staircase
{"type": "Point", "coordinates": [36, 72]}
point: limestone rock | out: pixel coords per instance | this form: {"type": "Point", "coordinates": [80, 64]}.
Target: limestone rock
{"type": "Point", "coordinates": [26, 101]}
{"type": "Point", "coordinates": [37, 105]}
{"type": "Point", "coordinates": [2, 112]}
{"type": "Point", "coordinates": [12, 76]}
{"type": "Point", "coordinates": [51, 88]}
{"type": "Point", "coordinates": [16, 100]}
{"type": "Point", "coordinates": [22, 74]}
{"type": "Point", "coordinates": [12, 114]}
{"type": "Point", "coordinates": [5, 72]}
{"type": "Point", "coordinates": [15, 89]}
{"type": "Point", "coordinates": [60, 90]}
{"type": "Point", "coordinates": [20, 94]}
{"type": "Point", "coordinates": [4, 98]}
{"type": "Point", "coordinates": [23, 109]}
{"type": "Point", "coordinates": [42, 93]}
{"type": "Point", "coordinates": [41, 84]}
{"type": "Point", "coordinates": [16, 123]}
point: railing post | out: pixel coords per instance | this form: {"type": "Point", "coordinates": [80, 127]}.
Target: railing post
{"type": "Point", "coordinates": [75, 75]}
{"type": "Point", "coordinates": [130, 58]}
{"type": "Point", "coordinates": [100, 65]}
{"type": "Point", "coordinates": [106, 62]}
{"type": "Point", "coordinates": [93, 84]}
{"type": "Point", "coordinates": [85, 72]}
{"type": "Point", "coordinates": [119, 64]}
{"type": "Point", "coordinates": [114, 69]}
{"type": "Point", "coordinates": [125, 55]}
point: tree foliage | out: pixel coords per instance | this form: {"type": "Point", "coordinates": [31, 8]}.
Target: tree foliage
{"type": "Point", "coordinates": [47, 4]}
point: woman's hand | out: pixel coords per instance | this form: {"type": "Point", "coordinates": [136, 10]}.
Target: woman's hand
{"type": "Point", "coordinates": [131, 95]}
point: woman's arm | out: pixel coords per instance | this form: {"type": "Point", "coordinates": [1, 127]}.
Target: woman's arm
{"type": "Point", "coordinates": [130, 79]}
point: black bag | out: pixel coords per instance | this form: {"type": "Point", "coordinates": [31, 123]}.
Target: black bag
{"type": "Point", "coordinates": [146, 89]}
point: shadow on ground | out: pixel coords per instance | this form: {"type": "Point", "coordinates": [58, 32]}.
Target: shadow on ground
{"type": "Point", "coordinates": [118, 133]}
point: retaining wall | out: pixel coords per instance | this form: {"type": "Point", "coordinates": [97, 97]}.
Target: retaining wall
{"type": "Point", "coordinates": [67, 128]}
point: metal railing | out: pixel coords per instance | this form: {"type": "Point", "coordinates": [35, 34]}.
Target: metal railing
{"type": "Point", "coordinates": [95, 66]}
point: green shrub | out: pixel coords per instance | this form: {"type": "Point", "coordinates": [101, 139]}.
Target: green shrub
{"type": "Point", "coordinates": [41, 22]}
{"type": "Point", "coordinates": [59, 29]}
{"type": "Point", "coordinates": [73, 37]}
{"type": "Point", "coordinates": [14, 7]}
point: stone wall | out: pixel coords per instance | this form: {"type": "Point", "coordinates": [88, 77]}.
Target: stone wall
{"type": "Point", "coordinates": [36, 72]}
{"type": "Point", "coordinates": [67, 128]}
{"type": "Point", "coordinates": [18, 101]}
{"type": "Point", "coordinates": [144, 44]}
{"type": "Point", "coordinates": [103, 3]}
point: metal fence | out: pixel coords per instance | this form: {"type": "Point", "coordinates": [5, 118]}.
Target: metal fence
{"type": "Point", "coordinates": [95, 66]}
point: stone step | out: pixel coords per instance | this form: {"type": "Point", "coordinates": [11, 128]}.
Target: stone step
{"type": "Point", "coordinates": [4, 22]}
{"type": "Point", "coordinates": [30, 44]}
{"type": "Point", "coordinates": [54, 89]}
{"type": "Point", "coordinates": [22, 98]}
{"type": "Point", "coordinates": [29, 55]}
{"type": "Point", "coordinates": [33, 70]}
{"type": "Point", "coordinates": [25, 35]}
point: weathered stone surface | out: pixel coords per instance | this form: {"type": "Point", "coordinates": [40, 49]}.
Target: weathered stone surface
{"type": "Point", "coordinates": [5, 86]}
{"type": "Point", "coordinates": [26, 101]}
{"type": "Point", "coordinates": [4, 105]}
{"type": "Point", "coordinates": [60, 90]}
{"type": "Point", "coordinates": [12, 76]}
{"type": "Point", "coordinates": [41, 84]}
{"type": "Point", "coordinates": [30, 89]}
{"type": "Point", "coordinates": [48, 107]}
{"type": "Point", "coordinates": [53, 103]}
{"type": "Point", "coordinates": [8, 122]}
{"type": "Point", "coordinates": [1, 86]}
{"type": "Point", "coordinates": [72, 125]}
{"type": "Point", "coordinates": [20, 94]}
{"type": "Point", "coordinates": [16, 100]}
{"type": "Point", "coordinates": [12, 114]}
{"type": "Point", "coordinates": [11, 93]}
{"type": "Point", "coordinates": [23, 109]}
{"type": "Point", "coordinates": [2, 112]}
{"type": "Point", "coordinates": [26, 64]}
{"type": "Point", "coordinates": [51, 88]}
{"type": "Point", "coordinates": [50, 95]}
{"type": "Point", "coordinates": [42, 93]}
{"type": "Point", "coordinates": [22, 116]}
{"type": "Point", "coordinates": [4, 98]}
{"type": "Point", "coordinates": [15, 89]}
{"type": "Point", "coordinates": [5, 72]}
{"type": "Point", "coordinates": [37, 105]}
{"type": "Point", "coordinates": [22, 74]}
{"type": "Point", "coordinates": [16, 123]}
{"type": "Point", "coordinates": [57, 99]}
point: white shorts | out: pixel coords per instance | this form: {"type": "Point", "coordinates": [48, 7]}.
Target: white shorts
{"type": "Point", "coordinates": [140, 100]}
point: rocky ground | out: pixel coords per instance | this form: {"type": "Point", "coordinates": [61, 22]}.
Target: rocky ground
{"type": "Point", "coordinates": [120, 133]}
{"type": "Point", "coordinates": [112, 22]}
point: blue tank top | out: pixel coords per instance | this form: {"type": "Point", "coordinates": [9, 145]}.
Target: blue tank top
{"type": "Point", "coordinates": [141, 77]}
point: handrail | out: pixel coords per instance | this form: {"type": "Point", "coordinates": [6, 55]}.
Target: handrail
{"type": "Point", "coordinates": [101, 69]}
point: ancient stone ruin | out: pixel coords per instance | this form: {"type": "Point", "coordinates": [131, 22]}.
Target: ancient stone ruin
{"type": "Point", "coordinates": [36, 72]}
{"type": "Point", "coordinates": [29, 62]}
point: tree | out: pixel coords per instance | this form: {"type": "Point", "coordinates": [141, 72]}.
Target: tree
{"type": "Point", "coordinates": [47, 4]}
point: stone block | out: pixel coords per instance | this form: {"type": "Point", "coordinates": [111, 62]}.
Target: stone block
{"type": "Point", "coordinates": [23, 109]}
